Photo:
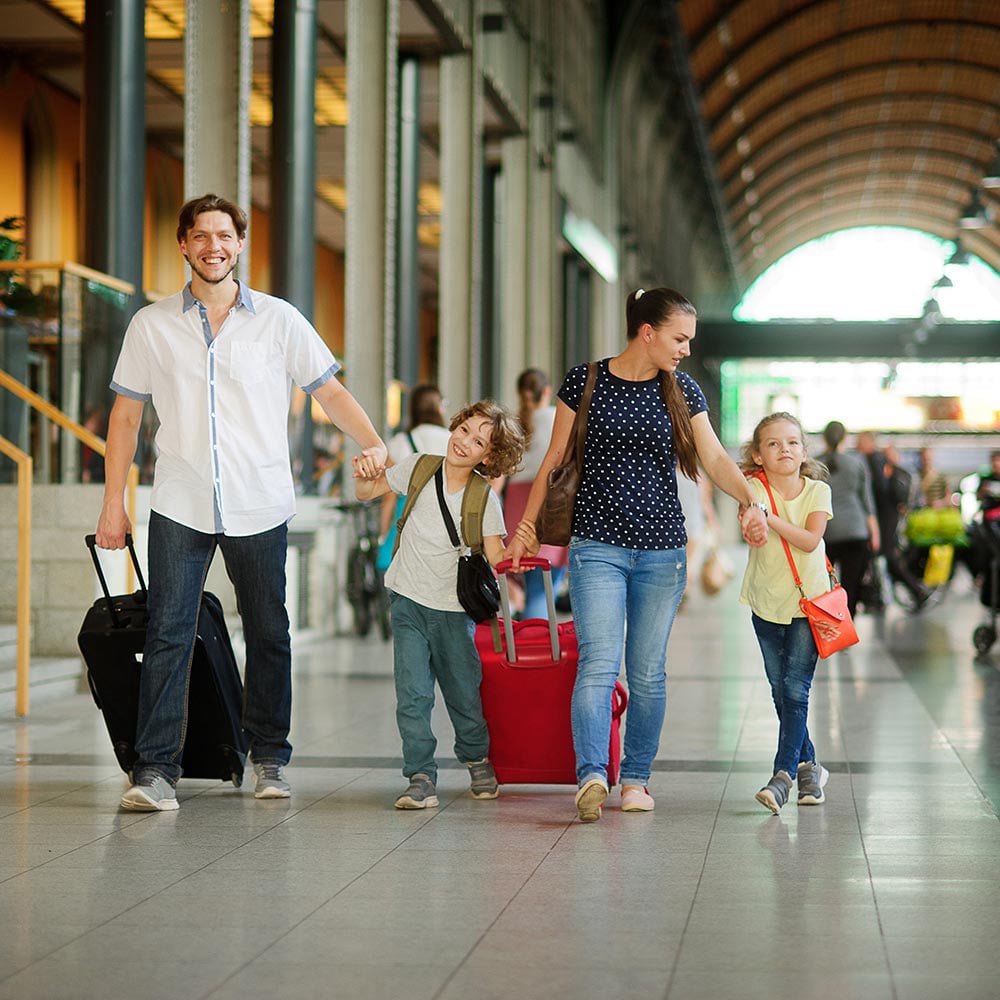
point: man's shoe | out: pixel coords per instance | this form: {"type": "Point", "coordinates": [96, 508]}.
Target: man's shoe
{"type": "Point", "coordinates": [420, 795]}
{"type": "Point", "coordinates": [269, 781]}
{"type": "Point", "coordinates": [483, 780]}
{"type": "Point", "coordinates": [812, 778]}
{"type": "Point", "coordinates": [775, 793]}
{"type": "Point", "coordinates": [636, 799]}
{"type": "Point", "coordinates": [151, 793]}
{"type": "Point", "coordinates": [590, 800]}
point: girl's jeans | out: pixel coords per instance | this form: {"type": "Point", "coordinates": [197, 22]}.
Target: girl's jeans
{"type": "Point", "coordinates": [609, 585]}
{"type": "Point", "coordinates": [179, 558]}
{"type": "Point", "coordinates": [789, 661]}
{"type": "Point", "coordinates": [428, 645]}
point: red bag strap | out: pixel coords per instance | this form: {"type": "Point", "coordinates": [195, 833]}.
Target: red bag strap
{"type": "Point", "coordinates": [762, 476]}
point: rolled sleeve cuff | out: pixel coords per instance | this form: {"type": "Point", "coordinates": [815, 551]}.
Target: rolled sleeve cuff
{"type": "Point", "coordinates": [143, 397]}
{"type": "Point", "coordinates": [323, 379]}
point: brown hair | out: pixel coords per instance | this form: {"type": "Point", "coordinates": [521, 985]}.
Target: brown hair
{"type": "Point", "coordinates": [190, 211]}
{"type": "Point", "coordinates": [657, 306]}
{"type": "Point", "coordinates": [531, 384]}
{"type": "Point", "coordinates": [506, 441]}
{"type": "Point", "coordinates": [425, 406]}
{"type": "Point", "coordinates": [809, 467]}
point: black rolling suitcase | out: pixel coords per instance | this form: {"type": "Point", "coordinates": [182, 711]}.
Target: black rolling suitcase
{"type": "Point", "coordinates": [111, 640]}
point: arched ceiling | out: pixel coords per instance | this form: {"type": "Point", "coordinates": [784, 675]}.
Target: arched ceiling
{"type": "Point", "coordinates": [824, 114]}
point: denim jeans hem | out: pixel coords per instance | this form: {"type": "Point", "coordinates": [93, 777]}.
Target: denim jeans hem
{"type": "Point", "coordinates": [590, 776]}
{"type": "Point", "coordinates": [256, 759]}
{"type": "Point", "coordinates": [630, 779]}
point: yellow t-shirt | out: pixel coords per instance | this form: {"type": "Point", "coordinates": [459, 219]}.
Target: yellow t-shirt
{"type": "Point", "coordinates": [768, 585]}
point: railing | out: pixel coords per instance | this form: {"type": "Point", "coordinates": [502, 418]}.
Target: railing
{"type": "Point", "coordinates": [24, 475]}
{"type": "Point", "coordinates": [24, 470]}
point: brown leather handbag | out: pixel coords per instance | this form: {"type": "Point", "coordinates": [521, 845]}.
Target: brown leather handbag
{"type": "Point", "coordinates": [554, 523]}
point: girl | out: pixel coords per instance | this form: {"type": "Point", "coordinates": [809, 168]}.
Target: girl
{"type": "Point", "coordinates": [626, 553]}
{"type": "Point", "coordinates": [803, 503]}
{"type": "Point", "coordinates": [432, 637]}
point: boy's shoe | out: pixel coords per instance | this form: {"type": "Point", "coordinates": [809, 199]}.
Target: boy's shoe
{"type": "Point", "coordinates": [269, 781]}
{"type": "Point", "coordinates": [420, 795]}
{"type": "Point", "coordinates": [483, 780]}
{"type": "Point", "coordinates": [151, 793]}
{"type": "Point", "coordinates": [636, 799]}
{"type": "Point", "coordinates": [775, 793]}
{"type": "Point", "coordinates": [590, 799]}
{"type": "Point", "coordinates": [812, 778]}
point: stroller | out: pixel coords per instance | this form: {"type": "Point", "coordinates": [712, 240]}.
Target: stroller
{"type": "Point", "coordinates": [984, 535]}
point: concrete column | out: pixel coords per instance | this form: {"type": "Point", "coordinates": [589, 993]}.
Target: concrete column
{"type": "Point", "coordinates": [372, 30]}
{"type": "Point", "coordinates": [407, 365]}
{"type": "Point", "coordinates": [218, 65]}
{"type": "Point", "coordinates": [516, 266]}
{"type": "Point", "coordinates": [460, 253]}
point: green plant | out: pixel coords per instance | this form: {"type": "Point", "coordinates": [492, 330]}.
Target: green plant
{"type": "Point", "coordinates": [15, 295]}
{"type": "Point", "coordinates": [11, 248]}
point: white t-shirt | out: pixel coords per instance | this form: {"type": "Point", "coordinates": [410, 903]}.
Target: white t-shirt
{"type": "Point", "coordinates": [542, 419]}
{"type": "Point", "coordinates": [425, 566]}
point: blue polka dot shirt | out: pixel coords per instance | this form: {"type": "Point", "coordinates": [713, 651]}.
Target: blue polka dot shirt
{"type": "Point", "coordinates": [628, 493]}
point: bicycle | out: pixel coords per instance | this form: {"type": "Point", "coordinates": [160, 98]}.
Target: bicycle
{"type": "Point", "coordinates": [365, 586]}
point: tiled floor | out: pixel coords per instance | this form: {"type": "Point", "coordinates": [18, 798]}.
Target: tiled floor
{"type": "Point", "coordinates": [891, 889]}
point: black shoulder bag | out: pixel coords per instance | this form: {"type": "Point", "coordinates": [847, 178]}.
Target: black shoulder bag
{"type": "Point", "coordinates": [478, 591]}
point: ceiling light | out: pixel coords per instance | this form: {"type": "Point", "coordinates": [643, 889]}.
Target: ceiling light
{"type": "Point", "coordinates": [991, 179]}
{"type": "Point", "coordinates": [974, 216]}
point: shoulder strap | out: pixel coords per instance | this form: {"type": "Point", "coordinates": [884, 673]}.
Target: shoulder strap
{"type": "Point", "coordinates": [580, 422]}
{"type": "Point", "coordinates": [413, 444]}
{"type": "Point", "coordinates": [474, 501]}
{"type": "Point", "coordinates": [421, 475]}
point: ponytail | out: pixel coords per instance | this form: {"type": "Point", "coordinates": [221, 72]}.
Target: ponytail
{"type": "Point", "coordinates": [680, 418]}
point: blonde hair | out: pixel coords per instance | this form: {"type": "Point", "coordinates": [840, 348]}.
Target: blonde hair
{"type": "Point", "coordinates": [809, 468]}
{"type": "Point", "coordinates": [506, 441]}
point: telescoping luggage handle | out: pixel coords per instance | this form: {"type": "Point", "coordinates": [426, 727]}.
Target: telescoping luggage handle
{"type": "Point", "coordinates": [528, 562]}
{"type": "Point", "coordinates": [91, 541]}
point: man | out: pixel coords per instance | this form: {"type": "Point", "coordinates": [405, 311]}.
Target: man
{"type": "Point", "coordinates": [217, 360]}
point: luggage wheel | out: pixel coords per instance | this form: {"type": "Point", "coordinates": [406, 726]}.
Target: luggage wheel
{"type": "Point", "coordinates": [983, 638]}
{"type": "Point", "coordinates": [236, 779]}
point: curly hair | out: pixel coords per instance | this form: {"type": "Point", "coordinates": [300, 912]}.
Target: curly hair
{"type": "Point", "coordinates": [810, 468]}
{"type": "Point", "coordinates": [506, 442]}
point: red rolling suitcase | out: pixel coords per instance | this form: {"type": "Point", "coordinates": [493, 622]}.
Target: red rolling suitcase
{"type": "Point", "coordinates": [527, 687]}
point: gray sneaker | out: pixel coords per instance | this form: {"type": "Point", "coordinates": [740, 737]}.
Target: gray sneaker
{"type": "Point", "coordinates": [269, 781]}
{"type": "Point", "coordinates": [775, 793]}
{"type": "Point", "coordinates": [151, 793]}
{"type": "Point", "coordinates": [420, 795]}
{"type": "Point", "coordinates": [812, 778]}
{"type": "Point", "coordinates": [483, 780]}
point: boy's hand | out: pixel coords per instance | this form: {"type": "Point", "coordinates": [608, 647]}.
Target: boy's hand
{"type": "Point", "coordinates": [367, 466]}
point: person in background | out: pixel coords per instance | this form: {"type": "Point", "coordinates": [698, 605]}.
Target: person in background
{"type": "Point", "coordinates": [933, 484]}
{"type": "Point", "coordinates": [988, 491]}
{"type": "Point", "coordinates": [537, 415]}
{"type": "Point", "coordinates": [852, 535]}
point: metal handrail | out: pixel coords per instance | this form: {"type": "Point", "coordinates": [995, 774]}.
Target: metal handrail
{"type": "Point", "coordinates": [24, 472]}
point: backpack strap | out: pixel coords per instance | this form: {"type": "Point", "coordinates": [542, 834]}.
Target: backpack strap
{"type": "Point", "coordinates": [477, 495]}
{"type": "Point", "coordinates": [422, 474]}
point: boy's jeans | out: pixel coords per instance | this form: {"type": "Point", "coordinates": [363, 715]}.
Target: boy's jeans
{"type": "Point", "coordinates": [608, 585]}
{"type": "Point", "coordinates": [789, 661]}
{"type": "Point", "coordinates": [428, 645]}
{"type": "Point", "coordinates": [179, 558]}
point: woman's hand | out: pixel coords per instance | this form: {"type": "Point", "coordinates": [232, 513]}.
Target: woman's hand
{"type": "Point", "coordinates": [518, 549]}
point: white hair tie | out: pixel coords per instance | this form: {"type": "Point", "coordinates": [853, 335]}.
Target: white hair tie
{"type": "Point", "coordinates": [639, 292]}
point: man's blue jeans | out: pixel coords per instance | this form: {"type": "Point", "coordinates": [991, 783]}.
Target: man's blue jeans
{"type": "Point", "coordinates": [790, 656]}
{"type": "Point", "coordinates": [179, 558]}
{"type": "Point", "coordinates": [610, 586]}
{"type": "Point", "coordinates": [428, 645]}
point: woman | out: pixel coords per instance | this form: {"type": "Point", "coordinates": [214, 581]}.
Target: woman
{"type": "Point", "coordinates": [853, 533]}
{"type": "Point", "coordinates": [537, 415]}
{"type": "Point", "coordinates": [627, 558]}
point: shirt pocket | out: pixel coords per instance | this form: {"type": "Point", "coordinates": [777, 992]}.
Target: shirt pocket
{"type": "Point", "coordinates": [248, 363]}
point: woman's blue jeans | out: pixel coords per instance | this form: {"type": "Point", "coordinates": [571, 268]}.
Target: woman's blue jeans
{"type": "Point", "coordinates": [429, 645]}
{"type": "Point", "coordinates": [179, 558]}
{"type": "Point", "coordinates": [790, 656]}
{"type": "Point", "coordinates": [609, 587]}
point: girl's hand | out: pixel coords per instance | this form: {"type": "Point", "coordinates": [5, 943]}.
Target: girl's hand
{"type": "Point", "coordinates": [753, 524]}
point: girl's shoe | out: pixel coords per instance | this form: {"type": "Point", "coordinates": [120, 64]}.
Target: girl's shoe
{"type": "Point", "coordinates": [590, 799]}
{"type": "Point", "coordinates": [775, 793]}
{"type": "Point", "coordinates": [812, 778]}
{"type": "Point", "coordinates": [636, 799]}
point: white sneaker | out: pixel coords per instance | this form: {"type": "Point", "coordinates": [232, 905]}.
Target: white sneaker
{"type": "Point", "coordinates": [590, 799]}
{"type": "Point", "coordinates": [151, 793]}
{"type": "Point", "coordinates": [269, 781]}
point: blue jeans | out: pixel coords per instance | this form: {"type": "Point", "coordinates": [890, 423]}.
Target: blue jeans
{"type": "Point", "coordinates": [429, 645]}
{"type": "Point", "coordinates": [534, 591]}
{"type": "Point", "coordinates": [608, 586]}
{"type": "Point", "coordinates": [179, 558]}
{"type": "Point", "coordinates": [790, 656]}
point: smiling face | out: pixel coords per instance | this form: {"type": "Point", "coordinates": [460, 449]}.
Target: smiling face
{"type": "Point", "coordinates": [469, 443]}
{"type": "Point", "coordinates": [780, 449]}
{"type": "Point", "coordinates": [212, 247]}
{"type": "Point", "coordinates": [670, 343]}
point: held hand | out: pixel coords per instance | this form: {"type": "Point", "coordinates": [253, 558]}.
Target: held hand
{"type": "Point", "coordinates": [377, 456]}
{"type": "Point", "coordinates": [112, 527]}
{"type": "Point", "coordinates": [753, 524]}
{"type": "Point", "coordinates": [366, 467]}
{"type": "Point", "coordinates": [514, 552]}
